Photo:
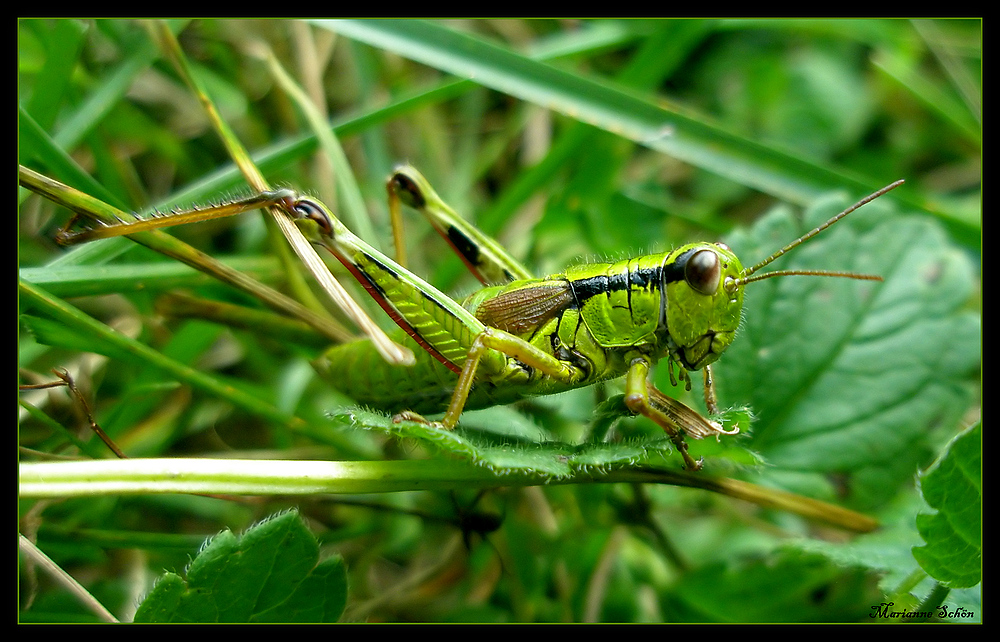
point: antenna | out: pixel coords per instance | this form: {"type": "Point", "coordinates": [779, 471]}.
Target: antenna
{"type": "Point", "coordinates": [747, 277]}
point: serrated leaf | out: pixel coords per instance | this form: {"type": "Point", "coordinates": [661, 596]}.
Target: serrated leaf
{"type": "Point", "coordinates": [849, 377]}
{"type": "Point", "coordinates": [954, 551]}
{"type": "Point", "coordinates": [269, 574]}
{"type": "Point", "coordinates": [504, 454]}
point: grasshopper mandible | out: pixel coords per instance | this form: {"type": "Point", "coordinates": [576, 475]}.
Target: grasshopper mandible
{"type": "Point", "coordinates": [521, 336]}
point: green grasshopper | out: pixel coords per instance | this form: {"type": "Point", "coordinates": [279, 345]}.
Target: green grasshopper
{"type": "Point", "coordinates": [522, 336]}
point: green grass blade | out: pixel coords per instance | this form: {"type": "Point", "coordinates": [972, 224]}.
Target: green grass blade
{"type": "Point", "coordinates": [667, 129]}
{"type": "Point", "coordinates": [72, 317]}
{"type": "Point", "coordinates": [161, 242]}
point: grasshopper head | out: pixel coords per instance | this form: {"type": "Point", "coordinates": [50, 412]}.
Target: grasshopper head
{"type": "Point", "coordinates": [704, 290]}
{"type": "Point", "coordinates": [702, 313]}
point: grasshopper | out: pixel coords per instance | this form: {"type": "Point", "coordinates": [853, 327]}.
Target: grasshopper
{"type": "Point", "coordinates": [521, 336]}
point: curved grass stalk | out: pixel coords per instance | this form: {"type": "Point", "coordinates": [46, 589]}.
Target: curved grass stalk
{"type": "Point", "coordinates": [253, 477]}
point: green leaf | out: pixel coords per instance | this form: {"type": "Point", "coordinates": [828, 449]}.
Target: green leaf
{"type": "Point", "coordinates": [847, 377]}
{"type": "Point", "coordinates": [115, 342]}
{"type": "Point", "coordinates": [777, 98]}
{"type": "Point", "coordinates": [67, 40]}
{"type": "Point", "coordinates": [506, 454]}
{"type": "Point", "coordinates": [656, 124]}
{"type": "Point", "coordinates": [269, 574]}
{"type": "Point", "coordinates": [800, 587]}
{"type": "Point", "coordinates": [954, 551]}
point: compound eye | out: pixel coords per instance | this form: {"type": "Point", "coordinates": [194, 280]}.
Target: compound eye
{"type": "Point", "coordinates": [702, 272]}
{"type": "Point", "coordinates": [307, 209]}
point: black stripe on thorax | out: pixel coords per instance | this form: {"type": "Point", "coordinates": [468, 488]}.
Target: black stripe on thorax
{"type": "Point", "coordinates": [622, 278]}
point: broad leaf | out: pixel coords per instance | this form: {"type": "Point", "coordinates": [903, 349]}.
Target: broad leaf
{"type": "Point", "coordinates": [954, 550]}
{"type": "Point", "coordinates": [848, 377]}
{"type": "Point", "coordinates": [268, 574]}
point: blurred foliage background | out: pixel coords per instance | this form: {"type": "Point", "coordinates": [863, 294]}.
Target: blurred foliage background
{"type": "Point", "coordinates": [767, 111]}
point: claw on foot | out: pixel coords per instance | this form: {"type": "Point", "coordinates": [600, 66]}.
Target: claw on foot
{"type": "Point", "coordinates": [409, 415]}
{"type": "Point", "coordinates": [709, 428]}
